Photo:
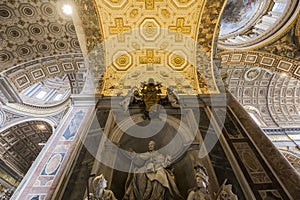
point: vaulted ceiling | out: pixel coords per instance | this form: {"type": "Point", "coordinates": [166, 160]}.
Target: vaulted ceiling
{"type": "Point", "coordinates": [22, 143]}
{"type": "Point", "coordinates": [34, 30]}
{"type": "Point", "coordinates": [127, 42]}
{"type": "Point", "coordinates": [273, 98]}
{"type": "Point", "coordinates": [171, 41]}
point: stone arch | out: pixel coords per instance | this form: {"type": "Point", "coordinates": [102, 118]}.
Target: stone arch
{"type": "Point", "coordinates": [22, 143]}
{"type": "Point", "coordinates": [184, 132]}
{"type": "Point", "coordinates": [30, 73]}
{"type": "Point", "coordinates": [275, 63]}
{"type": "Point", "coordinates": [184, 137]}
{"type": "Point", "coordinates": [46, 120]}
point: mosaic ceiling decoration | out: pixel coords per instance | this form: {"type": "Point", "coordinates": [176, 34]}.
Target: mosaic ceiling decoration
{"type": "Point", "coordinates": [157, 39]}
{"type": "Point", "coordinates": [34, 30]}
{"type": "Point", "coordinates": [154, 40]}
{"type": "Point", "coordinates": [256, 23]}
{"type": "Point", "coordinates": [238, 13]}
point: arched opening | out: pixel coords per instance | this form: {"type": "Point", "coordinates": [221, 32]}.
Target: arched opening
{"type": "Point", "coordinates": [172, 139]}
{"type": "Point", "coordinates": [52, 91]}
{"type": "Point", "coordinates": [20, 145]}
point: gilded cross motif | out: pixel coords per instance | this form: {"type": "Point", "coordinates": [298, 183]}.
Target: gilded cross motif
{"type": "Point", "coordinates": [150, 59]}
{"type": "Point", "coordinates": [180, 29]}
{"type": "Point", "coordinates": [119, 29]}
{"type": "Point", "coordinates": [149, 4]}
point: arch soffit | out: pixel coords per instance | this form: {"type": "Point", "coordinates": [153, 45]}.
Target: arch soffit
{"type": "Point", "coordinates": [27, 74]}
{"type": "Point", "coordinates": [205, 34]}
{"type": "Point", "coordinates": [21, 143]}
{"type": "Point", "coordinates": [117, 132]}
{"type": "Point", "coordinates": [268, 61]}
{"type": "Point", "coordinates": [46, 120]}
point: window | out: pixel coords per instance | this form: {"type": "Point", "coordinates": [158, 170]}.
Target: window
{"type": "Point", "coordinates": [57, 97]}
{"type": "Point", "coordinates": [41, 95]}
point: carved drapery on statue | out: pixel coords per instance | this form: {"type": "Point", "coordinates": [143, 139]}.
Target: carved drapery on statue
{"type": "Point", "coordinates": [200, 191]}
{"type": "Point", "coordinates": [225, 193]}
{"type": "Point", "coordinates": [152, 179]}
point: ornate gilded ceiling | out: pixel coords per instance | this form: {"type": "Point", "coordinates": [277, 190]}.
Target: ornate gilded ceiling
{"type": "Point", "coordinates": [157, 39]}
{"type": "Point", "coordinates": [171, 41]}
{"type": "Point", "coordinates": [37, 30]}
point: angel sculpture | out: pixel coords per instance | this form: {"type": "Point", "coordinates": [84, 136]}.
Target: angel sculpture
{"type": "Point", "coordinates": [173, 97]}
{"type": "Point", "coordinates": [150, 94]}
{"type": "Point", "coordinates": [132, 94]}
{"type": "Point", "coordinates": [100, 190]}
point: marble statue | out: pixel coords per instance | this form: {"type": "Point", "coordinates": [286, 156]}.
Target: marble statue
{"type": "Point", "coordinates": [173, 97]}
{"type": "Point", "coordinates": [100, 191]}
{"type": "Point", "coordinates": [129, 98]}
{"type": "Point", "coordinates": [151, 179]}
{"type": "Point", "coordinates": [200, 192]}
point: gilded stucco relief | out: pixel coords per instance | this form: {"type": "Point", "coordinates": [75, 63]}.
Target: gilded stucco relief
{"type": "Point", "coordinates": [157, 39]}
{"type": "Point", "coordinates": [149, 39]}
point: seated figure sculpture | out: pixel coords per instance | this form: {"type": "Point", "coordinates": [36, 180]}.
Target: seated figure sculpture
{"type": "Point", "coordinates": [151, 181]}
{"type": "Point", "coordinates": [100, 191]}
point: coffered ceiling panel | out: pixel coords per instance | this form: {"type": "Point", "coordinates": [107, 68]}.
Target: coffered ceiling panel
{"type": "Point", "coordinates": [34, 29]}
{"type": "Point", "coordinates": [273, 98]}
{"type": "Point", "coordinates": [22, 143]}
{"type": "Point", "coordinates": [159, 39]}
{"type": "Point", "coordinates": [149, 39]}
